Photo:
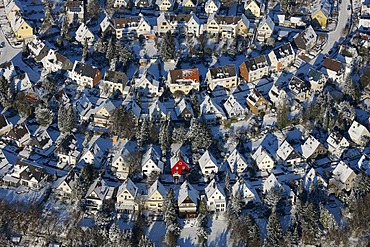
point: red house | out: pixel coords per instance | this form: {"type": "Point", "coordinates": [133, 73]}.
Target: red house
{"type": "Point", "coordinates": [178, 166]}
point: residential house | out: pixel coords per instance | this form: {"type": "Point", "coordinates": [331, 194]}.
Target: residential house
{"type": "Point", "coordinates": [63, 186]}
{"type": "Point", "coordinates": [334, 69]}
{"type": "Point", "coordinates": [337, 143]}
{"type": "Point", "coordinates": [157, 111]}
{"type": "Point", "coordinates": [7, 70]}
{"type": "Point", "coordinates": [188, 199]}
{"type": "Point", "coordinates": [156, 196]}
{"type": "Point", "coordinates": [20, 134]}
{"type": "Point", "coordinates": [316, 79]}
{"type": "Point", "coordinates": [282, 57]}
{"type": "Point", "coordinates": [148, 86]}
{"type": "Point", "coordinates": [277, 95]}
{"type": "Point", "coordinates": [42, 143]}
{"type": "Point", "coordinates": [343, 177]}
{"type": "Point", "coordinates": [184, 110]}
{"type": "Point", "coordinates": [246, 191]}
{"type": "Point", "coordinates": [313, 178]}
{"type": "Point", "coordinates": [306, 40]}
{"type": "Point", "coordinates": [120, 3]}
{"type": "Point", "coordinates": [211, 112]}
{"type": "Point", "coordinates": [180, 163]}
{"type": "Point", "coordinates": [364, 164]}
{"type": "Point", "coordinates": [254, 69]}
{"type": "Point", "coordinates": [233, 108]}
{"type": "Point", "coordinates": [216, 197]}
{"type": "Point", "coordinates": [132, 26]}
{"type": "Point", "coordinates": [103, 114]}
{"type": "Point", "coordinates": [358, 133]}
{"type": "Point", "coordinates": [265, 29]}
{"type": "Point", "coordinates": [132, 107]}
{"type": "Point", "coordinates": [151, 162]}
{"type": "Point", "coordinates": [288, 155]}
{"type": "Point", "coordinates": [21, 82]}
{"type": "Point", "coordinates": [188, 6]}
{"type": "Point", "coordinates": [143, 4]}
{"type": "Point", "coordinates": [12, 8]}
{"type": "Point", "coordinates": [93, 155]}
{"type": "Point", "coordinates": [299, 89]}
{"type": "Point", "coordinates": [253, 8]}
{"type": "Point", "coordinates": [27, 174]}
{"type": "Point", "coordinates": [257, 104]}
{"type": "Point", "coordinates": [237, 162]}
{"type": "Point", "coordinates": [212, 6]}
{"type": "Point", "coordinates": [75, 11]}
{"type": "Point", "coordinates": [224, 76]}
{"type": "Point", "coordinates": [183, 80]}
{"type": "Point", "coordinates": [263, 159]}
{"type": "Point", "coordinates": [188, 24]}
{"type": "Point", "coordinates": [21, 29]}
{"type": "Point", "coordinates": [208, 164]}
{"type": "Point", "coordinates": [85, 74]}
{"type": "Point", "coordinates": [84, 35]}
{"type": "Point", "coordinates": [98, 194]}
{"type": "Point", "coordinates": [126, 197]}
{"type": "Point", "coordinates": [5, 125]}
{"type": "Point", "coordinates": [193, 26]}
{"type": "Point", "coordinates": [269, 183]}
{"type": "Point", "coordinates": [67, 151]}
{"type": "Point", "coordinates": [113, 81]}
{"type": "Point", "coordinates": [227, 26]}
{"type": "Point", "coordinates": [83, 108]}
{"type": "Point", "coordinates": [165, 5]}
{"type": "Point", "coordinates": [120, 165]}
{"type": "Point", "coordinates": [312, 148]}
{"type": "Point", "coordinates": [320, 13]}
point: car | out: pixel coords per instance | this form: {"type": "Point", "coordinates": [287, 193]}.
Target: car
{"type": "Point", "coordinates": [349, 7]}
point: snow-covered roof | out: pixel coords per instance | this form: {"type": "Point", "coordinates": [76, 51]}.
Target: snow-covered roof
{"type": "Point", "coordinates": [209, 106]}
{"type": "Point", "coordinates": [357, 131]}
{"type": "Point", "coordinates": [270, 182]}
{"type": "Point", "coordinates": [247, 192]}
{"type": "Point", "coordinates": [129, 186]}
{"type": "Point", "coordinates": [260, 154]}
{"type": "Point", "coordinates": [99, 187]}
{"type": "Point", "coordinates": [187, 191]}
{"type": "Point", "coordinates": [157, 186]}
{"type": "Point", "coordinates": [342, 172]}
{"type": "Point", "coordinates": [235, 159]}
{"type": "Point", "coordinates": [286, 151]}
{"type": "Point", "coordinates": [233, 107]}
{"type": "Point", "coordinates": [205, 158]}
{"type": "Point", "coordinates": [309, 146]}
{"type": "Point", "coordinates": [212, 187]}
{"type": "Point", "coordinates": [364, 163]}
{"type": "Point", "coordinates": [152, 154]}
{"type": "Point", "coordinates": [311, 178]}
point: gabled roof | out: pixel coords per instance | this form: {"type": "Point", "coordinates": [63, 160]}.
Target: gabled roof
{"type": "Point", "coordinates": [342, 172]}
{"type": "Point", "coordinates": [286, 151]}
{"type": "Point", "coordinates": [130, 186]}
{"type": "Point", "coordinates": [187, 191]}
{"type": "Point", "coordinates": [3, 121]}
{"type": "Point", "coordinates": [245, 189]}
{"type": "Point", "coordinates": [232, 106]}
{"type": "Point", "coordinates": [270, 182]}
{"type": "Point", "coordinates": [357, 131]}
{"type": "Point", "coordinates": [260, 154]}
{"type": "Point", "coordinates": [116, 77]}
{"type": "Point", "coordinates": [157, 106]}
{"type": "Point", "coordinates": [68, 145]}
{"type": "Point", "coordinates": [256, 63]}
{"type": "Point", "coordinates": [209, 106]}
{"type": "Point", "coordinates": [283, 51]}
{"type": "Point", "coordinates": [254, 96]}
{"type": "Point", "coordinates": [157, 186]}
{"type": "Point", "coordinates": [212, 187]}
{"type": "Point", "coordinates": [222, 72]}
{"type": "Point", "coordinates": [184, 75]}
{"type": "Point", "coordinates": [100, 188]}
{"type": "Point", "coordinates": [234, 157]}
{"type": "Point", "coordinates": [267, 21]}
{"type": "Point", "coordinates": [332, 64]}
{"type": "Point", "coordinates": [309, 146]}
{"type": "Point", "coordinates": [305, 38]}
{"type": "Point", "coordinates": [182, 105]}
{"type": "Point", "coordinates": [85, 69]}
{"type": "Point", "coordinates": [152, 154]}
{"type": "Point", "coordinates": [19, 131]}
{"type": "Point", "coordinates": [205, 158]}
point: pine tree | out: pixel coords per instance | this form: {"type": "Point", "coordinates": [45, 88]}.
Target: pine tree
{"type": "Point", "coordinates": [93, 9]}
{"type": "Point", "coordinates": [110, 54]}
{"type": "Point", "coordinates": [199, 135]}
{"type": "Point", "coordinates": [142, 136]}
{"type": "Point", "coordinates": [164, 136]}
{"type": "Point", "coordinates": [274, 232]}
{"type": "Point", "coordinates": [227, 183]}
{"type": "Point", "coordinates": [282, 116]}
{"type": "Point", "coordinates": [168, 47]}
{"type": "Point", "coordinates": [310, 229]}
{"type": "Point", "coordinates": [123, 54]}
{"type": "Point", "coordinates": [179, 135]}
{"type": "Point", "coordinates": [100, 45]}
{"type": "Point", "coordinates": [66, 118]}
{"type": "Point", "coordinates": [327, 219]}
{"type": "Point", "coordinates": [44, 116]}
{"type": "Point", "coordinates": [123, 123]}
{"type": "Point", "coordinates": [85, 51]}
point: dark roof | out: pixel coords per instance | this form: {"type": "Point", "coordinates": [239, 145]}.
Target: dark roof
{"type": "Point", "coordinates": [126, 21]}
{"type": "Point", "coordinates": [184, 74]}
{"type": "Point", "coordinates": [43, 53]}
{"type": "Point", "coordinates": [18, 131]}
{"type": "Point", "coordinates": [85, 70]}
{"type": "Point", "coordinates": [66, 63]}
{"type": "Point", "coordinates": [283, 51]}
{"type": "Point", "coordinates": [223, 71]}
{"type": "Point", "coordinates": [40, 140]}
{"type": "Point", "coordinates": [67, 145]}
{"type": "Point", "coordinates": [256, 63]}
{"type": "Point", "coordinates": [75, 6]}
{"type": "Point", "coordinates": [32, 171]}
{"type": "Point", "coordinates": [116, 77]}
{"type": "Point", "coordinates": [3, 121]}
{"type": "Point", "coordinates": [332, 64]}
{"type": "Point", "coordinates": [227, 19]}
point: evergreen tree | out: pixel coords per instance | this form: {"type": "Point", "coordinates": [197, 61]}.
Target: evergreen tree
{"type": "Point", "coordinates": [168, 47]}
{"type": "Point", "coordinates": [245, 232]}
{"type": "Point", "coordinates": [123, 54]}
{"type": "Point", "coordinates": [164, 136]}
{"type": "Point", "coordinates": [93, 9]}
{"type": "Point", "coordinates": [309, 220]}
{"type": "Point", "coordinates": [123, 123]}
{"type": "Point", "coordinates": [44, 116]}
{"type": "Point", "coordinates": [85, 51]}
{"type": "Point", "coordinates": [327, 219]}
{"type": "Point", "coordinates": [100, 45]}
{"type": "Point", "coordinates": [66, 118]}
{"type": "Point", "coordinates": [227, 183]}
{"type": "Point", "coordinates": [199, 135]}
{"type": "Point", "coordinates": [142, 136]}
{"type": "Point", "coordinates": [110, 54]}
{"type": "Point", "coordinates": [179, 135]}
{"type": "Point", "coordinates": [274, 232]}
{"type": "Point", "coordinates": [282, 116]}
{"type": "Point", "coordinates": [22, 106]}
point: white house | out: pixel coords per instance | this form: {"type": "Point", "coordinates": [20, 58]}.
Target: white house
{"type": "Point", "coordinates": [269, 183]}
{"type": "Point", "coordinates": [246, 192]}
{"type": "Point", "coordinates": [151, 162]}
{"type": "Point", "coordinates": [358, 133]}
{"type": "Point", "coordinates": [233, 108]}
{"type": "Point", "coordinates": [119, 164]}
{"type": "Point", "coordinates": [343, 177]}
{"type": "Point", "coordinates": [126, 195]}
{"type": "Point", "coordinates": [83, 34]}
{"type": "Point", "coordinates": [157, 111]}
{"type": "Point", "coordinates": [337, 143]}
{"type": "Point", "coordinates": [277, 95]}
{"type": "Point", "coordinates": [316, 79]}
{"type": "Point", "coordinates": [265, 28]}
{"type": "Point", "coordinates": [224, 76]}
{"type": "Point", "coordinates": [85, 75]}
{"type": "Point", "coordinates": [288, 155]}
{"type": "Point", "coordinates": [21, 82]}
{"type": "Point", "coordinates": [188, 199]}
{"type": "Point", "coordinates": [67, 151]}
{"type": "Point", "coordinates": [216, 199]}
{"type": "Point", "coordinates": [208, 164]}
{"type": "Point", "coordinates": [237, 163]}
{"type": "Point", "coordinates": [63, 186]}
{"type": "Point", "coordinates": [98, 194]}
{"type": "Point", "coordinates": [312, 148]}
{"type": "Point", "coordinates": [281, 57]}
{"type": "Point", "coordinates": [156, 196]}
{"type": "Point", "coordinates": [212, 6]}
{"type": "Point", "coordinates": [211, 111]}
{"type": "Point", "coordinates": [263, 159]}
{"type": "Point", "coordinates": [92, 155]}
